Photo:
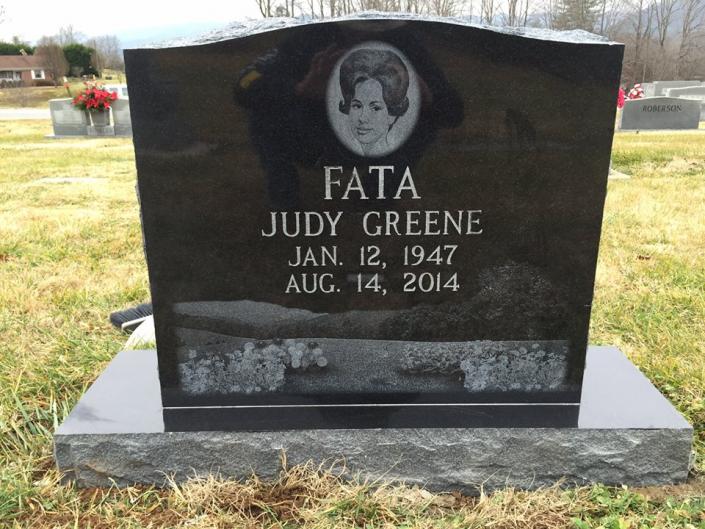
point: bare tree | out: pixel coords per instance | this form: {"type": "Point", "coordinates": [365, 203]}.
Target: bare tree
{"type": "Point", "coordinates": [576, 14]}
{"type": "Point", "coordinates": [379, 5]}
{"type": "Point", "coordinates": [611, 16]}
{"type": "Point", "coordinates": [664, 39]}
{"type": "Point", "coordinates": [487, 11]}
{"type": "Point", "coordinates": [638, 34]}
{"type": "Point", "coordinates": [283, 8]}
{"type": "Point", "coordinates": [648, 37]}
{"type": "Point", "coordinates": [548, 14]}
{"type": "Point", "coordinates": [692, 35]}
{"type": "Point", "coordinates": [107, 53]}
{"type": "Point", "coordinates": [336, 8]}
{"type": "Point", "coordinates": [663, 13]}
{"type": "Point", "coordinates": [345, 7]}
{"type": "Point", "coordinates": [53, 57]}
{"type": "Point", "coordinates": [312, 8]}
{"type": "Point", "coordinates": [445, 8]}
{"type": "Point", "coordinates": [265, 7]}
{"type": "Point", "coordinates": [516, 13]}
{"type": "Point", "coordinates": [413, 6]}
{"type": "Point", "coordinates": [67, 35]}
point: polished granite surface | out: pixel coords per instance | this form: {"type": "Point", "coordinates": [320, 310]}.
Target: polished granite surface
{"type": "Point", "coordinates": [378, 211]}
{"type": "Point", "coordinates": [125, 398]}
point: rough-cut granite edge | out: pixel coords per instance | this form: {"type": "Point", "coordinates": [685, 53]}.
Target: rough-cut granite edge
{"type": "Point", "coordinates": [252, 27]}
{"type": "Point", "coordinates": [627, 433]}
{"type": "Point", "coordinates": [439, 459]}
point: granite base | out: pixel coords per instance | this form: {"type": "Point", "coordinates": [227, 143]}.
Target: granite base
{"type": "Point", "coordinates": [627, 433]}
{"type": "Point", "coordinates": [104, 130]}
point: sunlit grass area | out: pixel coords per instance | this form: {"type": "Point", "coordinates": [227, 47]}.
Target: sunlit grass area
{"type": "Point", "coordinates": [30, 97]}
{"type": "Point", "coordinates": [39, 96]}
{"type": "Point", "coordinates": [71, 252]}
{"type": "Point", "coordinates": [650, 292]}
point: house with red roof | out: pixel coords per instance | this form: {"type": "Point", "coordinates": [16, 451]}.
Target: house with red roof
{"type": "Point", "coordinates": [29, 69]}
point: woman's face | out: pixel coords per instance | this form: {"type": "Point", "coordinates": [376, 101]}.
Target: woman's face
{"type": "Point", "coordinates": [369, 118]}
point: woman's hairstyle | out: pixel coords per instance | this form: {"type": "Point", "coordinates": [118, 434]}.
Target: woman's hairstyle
{"type": "Point", "coordinates": [384, 67]}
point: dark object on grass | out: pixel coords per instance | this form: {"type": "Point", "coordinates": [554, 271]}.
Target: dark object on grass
{"type": "Point", "coordinates": [129, 319]}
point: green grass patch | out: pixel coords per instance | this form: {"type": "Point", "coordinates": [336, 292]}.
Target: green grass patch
{"type": "Point", "coordinates": [71, 252]}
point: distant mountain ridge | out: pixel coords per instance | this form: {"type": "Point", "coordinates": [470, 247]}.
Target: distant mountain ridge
{"type": "Point", "coordinates": [142, 37]}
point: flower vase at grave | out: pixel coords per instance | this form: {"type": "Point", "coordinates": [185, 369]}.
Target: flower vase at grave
{"type": "Point", "coordinates": [100, 118]}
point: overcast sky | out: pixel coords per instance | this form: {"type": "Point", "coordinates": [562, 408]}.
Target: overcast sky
{"type": "Point", "coordinates": [30, 19]}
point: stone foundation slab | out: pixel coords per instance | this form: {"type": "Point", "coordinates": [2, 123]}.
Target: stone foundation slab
{"type": "Point", "coordinates": [627, 433]}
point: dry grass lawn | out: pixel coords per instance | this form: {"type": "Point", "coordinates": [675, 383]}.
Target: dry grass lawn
{"type": "Point", "coordinates": [30, 97]}
{"type": "Point", "coordinates": [70, 253]}
{"type": "Point", "coordinates": [38, 96]}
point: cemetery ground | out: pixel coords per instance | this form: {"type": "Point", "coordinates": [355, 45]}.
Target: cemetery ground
{"type": "Point", "coordinates": [38, 96]}
{"type": "Point", "coordinates": [71, 252]}
{"type": "Point", "coordinates": [30, 97]}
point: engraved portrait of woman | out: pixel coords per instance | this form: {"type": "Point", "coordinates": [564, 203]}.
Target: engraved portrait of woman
{"type": "Point", "coordinates": [372, 99]}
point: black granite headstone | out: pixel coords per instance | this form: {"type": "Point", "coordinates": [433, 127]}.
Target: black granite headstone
{"type": "Point", "coordinates": [373, 222]}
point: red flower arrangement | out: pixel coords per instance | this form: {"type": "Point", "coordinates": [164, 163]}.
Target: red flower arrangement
{"type": "Point", "coordinates": [94, 98]}
{"type": "Point", "coordinates": [636, 93]}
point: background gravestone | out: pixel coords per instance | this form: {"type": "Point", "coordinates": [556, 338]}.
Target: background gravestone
{"type": "Point", "coordinates": [691, 92]}
{"type": "Point", "coordinates": [661, 87]}
{"type": "Point", "coordinates": [374, 216]}
{"type": "Point", "coordinates": [649, 89]}
{"type": "Point", "coordinates": [101, 130]}
{"type": "Point", "coordinates": [121, 117]}
{"type": "Point", "coordinates": [121, 90]}
{"type": "Point", "coordinates": [66, 119]}
{"type": "Point", "coordinates": [660, 113]}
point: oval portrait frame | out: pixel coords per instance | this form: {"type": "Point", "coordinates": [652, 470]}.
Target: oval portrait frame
{"type": "Point", "coordinates": [342, 123]}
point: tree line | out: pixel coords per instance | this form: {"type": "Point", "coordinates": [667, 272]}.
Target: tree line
{"type": "Point", "coordinates": [664, 39]}
{"type": "Point", "coordinates": [69, 53]}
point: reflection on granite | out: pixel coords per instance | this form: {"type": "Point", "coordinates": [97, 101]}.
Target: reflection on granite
{"type": "Point", "coordinates": [514, 300]}
{"type": "Point", "coordinates": [488, 141]}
